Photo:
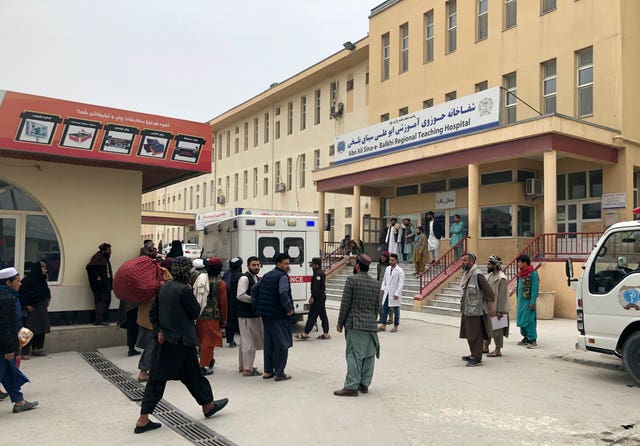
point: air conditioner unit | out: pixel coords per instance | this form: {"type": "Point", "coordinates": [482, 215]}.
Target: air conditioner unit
{"type": "Point", "coordinates": [220, 199]}
{"type": "Point", "coordinates": [533, 187]}
{"type": "Point", "coordinates": [281, 187]}
{"type": "Point", "coordinates": [336, 110]}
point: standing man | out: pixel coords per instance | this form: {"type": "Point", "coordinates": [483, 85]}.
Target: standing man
{"type": "Point", "coordinates": [231, 278]}
{"type": "Point", "coordinates": [434, 232]}
{"type": "Point", "coordinates": [358, 311]}
{"type": "Point", "coordinates": [274, 303]}
{"type": "Point", "coordinates": [528, 288]}
{"type": "Point", "coordinates": [419, 251]}
{"type": "Point", "coordinates": [477, 308]}
{"type": "Point", "coordinates": [457, 234]}
{"type": "Point", "coordinates": [391, 237]}
{"type": "Point", "coordinates": [172, 314]}
{"type": "Point", "coordinates": [391, 291]}
{"type": "Point", "coordinates": [251, 328]}
{"type": "Point", "coordinates": [408, 236]}
{"type": "Point", "coordinates": [498, 282]}
{"type": "Point", "coordinates": [317, 301]}
{"type": "Point", "coordinates": [100, 280]}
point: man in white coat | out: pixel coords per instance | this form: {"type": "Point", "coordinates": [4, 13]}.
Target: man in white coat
{"type": "Point", "coordinates": [393, 236]}
{"type": "Point", "coordinates": [391, 290]}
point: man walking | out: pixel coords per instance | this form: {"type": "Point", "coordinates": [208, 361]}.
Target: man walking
{"type": "Point", "coordinates": [274, 303]}
{"type": "Point", "coordinates": [251, 328]}
{"type": "Point", "coordinates": [391, 290]}
{"type": "Point", "coordinates": [434, 232]}
{"type": "Point", "coordinates": [317, 301]}
{"type": "Point", "coordinates": [477, 307]}
{"type": "Point", "coordinates": [172, 314]}
{"type": "Point", "coordinates": [528, 288]}
{"type": "Point", "coordinates": [100, 280]}
{"type": "Point", "coordinates": [358, 311]}
{"type": "Point", "coordinates": [498, 282]}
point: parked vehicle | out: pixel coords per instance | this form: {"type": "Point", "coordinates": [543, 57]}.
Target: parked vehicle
{"type": "Point", "coordinates": [608, 296]}
{"type": "Point", "coordinates": [191, 250]}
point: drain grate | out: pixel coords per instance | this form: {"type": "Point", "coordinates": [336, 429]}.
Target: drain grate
{"type": "Point", "coordinates": [169, 414]}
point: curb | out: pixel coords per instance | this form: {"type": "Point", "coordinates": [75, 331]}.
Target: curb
{"type": "Point", "coordinates": [612, 364]}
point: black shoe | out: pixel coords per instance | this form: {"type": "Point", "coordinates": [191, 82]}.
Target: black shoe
{"type": "Point", "coordinates": [346, 392]}
{"type": "Point", "coordinates": [232, 344]}
{"type": "Point", "coordinates": [212, 363]}
{"type": "Point", "coordinates": [524, 341]}
{"type": "Point", "coordinates": [467, 358]}
{"type": "Point", "coordinates": [473, 363]}
{"type": "Point", "coordinates": [133, 352]}
{"type": "Point", "coordinates": [147, 427]}
{"type": "Point", "coordinates": [28, 405]}
{"type": "Point", "coordinates": [218, 405]}
{"type": "Point", "coordinates": [363, 389]}
{"type": "Point", "coordinates": [3, 396]}
{"type": "Point", "coordinates": [205, 372]}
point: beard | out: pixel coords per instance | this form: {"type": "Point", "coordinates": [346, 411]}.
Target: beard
{"type": "Point", "coordinates": [490, 269]}
{"type": "Point", "coordinates": [466, 267]}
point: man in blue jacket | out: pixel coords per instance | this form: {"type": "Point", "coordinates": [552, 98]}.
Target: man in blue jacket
{"type": "Point", "coordinates": [274, 303]}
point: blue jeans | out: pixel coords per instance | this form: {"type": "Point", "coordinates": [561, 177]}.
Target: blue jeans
{"type": "Point", "coordinates": [10, 380]}
{"type": "Point", "coordinates": [385, 313]}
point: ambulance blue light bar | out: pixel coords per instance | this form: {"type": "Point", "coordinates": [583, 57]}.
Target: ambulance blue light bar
{"type": "Point", "coordinates": [250, 222]}
{"type": "Point", "coordinates": [311, 223]}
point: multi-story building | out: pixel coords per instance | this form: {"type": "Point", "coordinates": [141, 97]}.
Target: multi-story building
{"type": "Point", "coordinates": [562, 154]}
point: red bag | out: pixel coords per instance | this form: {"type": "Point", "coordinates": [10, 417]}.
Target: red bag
{"type": "Point", "coordinates": [137, 280]}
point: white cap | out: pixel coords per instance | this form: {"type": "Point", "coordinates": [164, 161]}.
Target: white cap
{"type": "Point", "coordinates": [198, 263]}
{"type": "Point", "coordinates": [8, 273]}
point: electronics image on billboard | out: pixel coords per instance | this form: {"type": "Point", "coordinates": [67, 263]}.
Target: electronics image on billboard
{"type": "Point", "coordinates": [187, 148]}
{"type": "Point", "coordinates": [154, 143]}
{"type": "Point", "coordinates": [79, 134]}
{"type": "Point", "coordinates": [37, 127]}
{"type": "Point", "coordinates": [118, 139]}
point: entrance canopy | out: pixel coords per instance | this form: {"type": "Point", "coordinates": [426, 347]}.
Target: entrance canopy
{"type": "Point", "coordinates": [165, 150]}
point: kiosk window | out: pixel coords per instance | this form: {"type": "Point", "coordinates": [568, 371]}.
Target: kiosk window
{"type": "Point", "coordinates": [294, 246]}
{"type": "Point", "coordinates": [618, 257]}
{"type": "Point", "coordinates": [268, 247]}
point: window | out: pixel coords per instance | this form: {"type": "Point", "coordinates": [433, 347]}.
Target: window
{"type": "Point", "coordinates": [245, 184]}
{"type": "Point", "coordinates": [451, 26]}
{"type": "Point", "coordinates": [190, 197]}
{"type": "Point", "coordinates": [505, 176]}
{"type": "Point", "coordinates": [265, 186]}
{"type": "Point", "coordinates": [481, 86]}
{"type": "Point", "coordinates": [636, 180]}
{"type": "Point", "coordinates": [332, 150]}
{"type": "Point", "coordinates": [510, 13]}
{"type": "Point", "coordinates": [276, 111]}
{"type": "Point", "coordinates": [235, 187]}
{"type": "Point", "coordinates": [276, 130]}
{"type": "Point", "coordinates": [316, 159]}
{"type": "Point", "coordinates": [204, 194]}
{"type": "Point", "coordinates": [384, 117]}
{"type": "Point", "coordinates": [366, 78]}
{"type": "Point", "coordinates": [268, 247]}
{"type": "Point", "coordinates": [404, 48]}
{"type": "Point", "coordinates": [585, 82]}
{"type": "Point", "coordinates": [246, 136]}
{"type": "Point", "coordinates": [549, 87]}
{"type": "Point", "coordinates": [316, 108]}
{"type": "Point", "coordinates": [524, 175]}
{"type": "Point", "coordinates": [592, 211]}
{"type": "Point", "coordinates": [386, 54]}
{"type": "Point", "coordinates": [211, 190]}
{"type": "Point", "coordinates": [303, 112]}
{"type": "Point", "coordinates": [303, 171]}
{"type": "Point", "coordinates": [403, 111]}
{"type": "Point", "coordinates": [294, 246]}
{"type": "Point", "coordinates": [333, 93]}
{"type": "Point", "coordinates": [227, 188]}
{"type": "Point", "coordinates": [509, 84]}
{"type": "Point", "coordinates": [482, 25]}
{"type": "Point", "coordinates": [349, 84]}
{"type": "Point", "coordinates": [220, 146]}
{"type": "Point", "coordinates": [547, 6]}
{"type": "Point", "coordinates": [266, 128]}
{"type": "Point", "coordinates": [255, 182]}
{"type": "Point", "coordinates": [577, 183]}
{"type": "Point", "coordinates": [428, 37]}
{"type": "Point", "coordinates": [526, 221]}
{"type": "Point", "coordinates": [595, 183]}
{"type": "Point", "coordinates": [371, 228]}
{"type": "Point", "coordinates": [256, 126]}
{"type": "Point", "coordinates": [348, 212]}
{"type": "Point", "coordinates": [427, 103]}
{"type": "Point", "coordinates": [277, 172]}
{"type": "Point", "coordinates": [228, 143]}
{"type": "Point", "coordinates": [265, 169]}
{"type": "Point", "coordinates": [403, 191]}
{"type": "Point", "coordinates": [433, 186]}
{"type": "Point", "coordinates": [495, 221]}
{"type": "Point", "coordinates": [618, 257]}
{"type": "Point", "coordinates": [458, 183]}
{"type": "Point", "coordinates": [289, 173]}
{"type": "Point", "coordinates": [237, 140]}
{"type": "Point", "coordinates": [450, 96]}
{"type": "Point", "coordinates": [348, 229]}
{"type": "Point", "coordinates": [289, 118]}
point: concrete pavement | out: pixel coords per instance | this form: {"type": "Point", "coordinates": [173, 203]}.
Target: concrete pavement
{"type": "Point", "coordinates": [421, 394]}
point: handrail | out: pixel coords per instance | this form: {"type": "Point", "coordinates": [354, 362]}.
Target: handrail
{"type": "Point", "coordinates": [442, 265]}
{"type": "Point", "coordinates": [333, 254]}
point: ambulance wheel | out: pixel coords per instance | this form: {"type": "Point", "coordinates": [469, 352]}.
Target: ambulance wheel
{"type": "Point", "coordinates": [631, 356]}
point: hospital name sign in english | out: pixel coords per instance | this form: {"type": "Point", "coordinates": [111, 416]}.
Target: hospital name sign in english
{"type": "Point", "coordinates": [469, 114]}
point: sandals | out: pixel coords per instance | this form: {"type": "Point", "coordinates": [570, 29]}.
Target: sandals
{"type": "Point", "coordinates": [301, 337]}
{"type": "Point", "coordinates": [394, 329]}
{"type": "Point", "coordinates": [267, 376]}
{"type": "Point", "coordinates": [494, 355]}
{"type": "Point", "coordinates": [283, 378]}
{"type": "Point", "coordinates": [252, 372]}
{"type": "Point", "coordinates": [322, 336]}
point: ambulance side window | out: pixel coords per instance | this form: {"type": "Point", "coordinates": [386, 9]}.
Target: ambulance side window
{"type": "Point", "coordinates": [294, 246]}
{"type": "Point", "coordinates": [268, 247]}
{"type": "Point", "coordinates": [618, 257]}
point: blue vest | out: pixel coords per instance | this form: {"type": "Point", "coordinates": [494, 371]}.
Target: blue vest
{"type": "Point", "coordinates": [268, 299]}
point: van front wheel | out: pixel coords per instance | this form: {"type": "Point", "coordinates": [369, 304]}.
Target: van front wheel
{"type": "Point", "coordinates": [631, 356]}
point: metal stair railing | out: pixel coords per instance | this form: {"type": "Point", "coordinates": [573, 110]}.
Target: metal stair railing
{"type": "Point", "coordinates": [437, 272]}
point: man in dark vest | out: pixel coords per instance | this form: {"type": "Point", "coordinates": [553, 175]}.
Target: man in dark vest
{"type": "Point", "coordinates": [317, 302]}
{"type": "Point", "coordinates": [231, 278]}
{"type": "Point", "coordinates": [251, 329]}
{"type": "Point", "coordinates": [100, 280]}
{"type": "Point", "coordinates": [274, 303]}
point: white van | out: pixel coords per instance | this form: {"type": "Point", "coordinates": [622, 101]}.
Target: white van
{"type": "Point", "coordinates": [264, 237]}
{"type": "Point", "coordinates": [608, 296]}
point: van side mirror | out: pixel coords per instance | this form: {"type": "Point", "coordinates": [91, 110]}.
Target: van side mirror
{"type": "Point", "coordinates": [568, 267]}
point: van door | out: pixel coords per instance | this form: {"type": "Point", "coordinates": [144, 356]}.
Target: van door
{"type": "Point", "coordinates": [294, 244]}
{"type": "Point", "coordinates": [611, 289]}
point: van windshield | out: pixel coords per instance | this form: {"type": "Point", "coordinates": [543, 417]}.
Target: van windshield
{"type": "Point", "coordinates": [618, 257]}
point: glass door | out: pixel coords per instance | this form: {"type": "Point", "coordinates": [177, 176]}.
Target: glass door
{"type": "Point", "coordinates": [567, 217]}
{"type": "Point", "coordinates": [10, 238]}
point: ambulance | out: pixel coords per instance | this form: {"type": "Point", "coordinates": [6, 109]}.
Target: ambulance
{"type": "Point", "coordinates": [264, 236]}
{"type": "Point", "coordinates": [608, 296]}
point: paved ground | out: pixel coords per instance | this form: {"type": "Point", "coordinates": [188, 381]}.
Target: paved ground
{"type": "Point", "coordinates": [421, 394]}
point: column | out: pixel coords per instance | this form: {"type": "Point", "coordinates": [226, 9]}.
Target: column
{"type": "Point", "coordinates": [356, 217]}
{"type": "Point", "coordinates": [474, 209]}
{"type": "Point", "coordinates": [321, 221]}
{"type": "Point", "coordinates": [550, 193]}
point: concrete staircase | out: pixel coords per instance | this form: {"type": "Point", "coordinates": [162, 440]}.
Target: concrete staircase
{"type": "Point", "coordinates": [446, 300]}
